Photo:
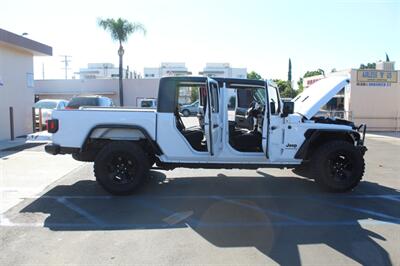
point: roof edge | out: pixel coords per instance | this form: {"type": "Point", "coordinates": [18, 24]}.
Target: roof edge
{"type": "Point", "coordinates": [36, 48]}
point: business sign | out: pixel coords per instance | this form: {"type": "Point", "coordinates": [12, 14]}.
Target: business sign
{"type": "Point", "coordinates": [307, 82]}
{"type": "Point", "coordinates": [376, 76]}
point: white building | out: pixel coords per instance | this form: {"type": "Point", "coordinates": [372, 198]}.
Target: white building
{"type": "Point", "coordinates": [166, 69]}
{"type": "Point", "coordinates": [100, 71]}
{"type": "Point", "coordinates": [223, 70]}
{"type": "Point", "coordinates": [372, 97]}
{"type": "Point", "coordinates": [17, 82]}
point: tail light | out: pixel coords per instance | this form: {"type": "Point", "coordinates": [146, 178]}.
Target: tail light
{"type": "Point", "coordinates": [52, 125]}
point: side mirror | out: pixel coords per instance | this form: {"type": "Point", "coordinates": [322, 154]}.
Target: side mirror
{"type": "Point", "coordinates": [272, 107]}
{"type": "Point", "coordinates": [288, 108]}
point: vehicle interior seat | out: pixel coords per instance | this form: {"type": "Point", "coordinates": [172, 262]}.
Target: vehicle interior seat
{"type": "Point", "coordinates": [194, 135]}
{"type": "Point", "coordinates": [244, 140]}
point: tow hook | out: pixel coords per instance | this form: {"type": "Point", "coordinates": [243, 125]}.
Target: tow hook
{"type": "Point", "coordinates": [362, 149]}
{"type": "Point", "coordinates": [362, 128]}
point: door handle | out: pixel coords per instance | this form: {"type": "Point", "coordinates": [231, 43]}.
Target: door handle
{"type": "Point", "coordinates": [274, 127]}
{"type": "Point", "coordinates": [215, 126]}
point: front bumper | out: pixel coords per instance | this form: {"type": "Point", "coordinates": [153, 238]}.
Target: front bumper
{"type": "Point", "coordinates": [360, 145]}
{"type": "Point", "coordinates": [362, 129]}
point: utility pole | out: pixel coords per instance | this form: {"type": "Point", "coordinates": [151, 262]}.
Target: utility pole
{"type": "Point", "coordinates": [66, 63]}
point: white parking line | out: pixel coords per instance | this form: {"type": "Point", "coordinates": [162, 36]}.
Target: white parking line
{"type": "Point", "coordinates": [81, 211]}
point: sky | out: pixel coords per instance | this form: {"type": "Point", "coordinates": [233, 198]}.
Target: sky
{"type": "Point", "coordinates": [260, 35]}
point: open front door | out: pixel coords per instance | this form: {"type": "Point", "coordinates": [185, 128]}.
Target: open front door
{"type": "Point", "coordinates": [212, 121]}
{"type": "Point", "coordinates": [273, 128]}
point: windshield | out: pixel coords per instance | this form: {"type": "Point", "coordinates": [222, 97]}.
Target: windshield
{"type": "Point", "coordinates": [46, 105]}
{"type": "Point", "coordinates": [259, 96]}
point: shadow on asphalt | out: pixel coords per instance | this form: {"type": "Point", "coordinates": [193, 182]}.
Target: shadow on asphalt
{"type": "Point", "coordinates": [274, 215]}
{"type": "Point", "coordinates": [22, 147]}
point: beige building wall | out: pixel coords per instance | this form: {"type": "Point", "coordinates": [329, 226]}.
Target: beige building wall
{"type": "Point", "coordinates": [134, 89]}
{"type": "Point", "coordinates": [16, 69]}
{"type": "Point", "coordinates": [376, 106]}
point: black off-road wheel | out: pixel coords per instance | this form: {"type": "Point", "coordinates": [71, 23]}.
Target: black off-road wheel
{"type": "Point", "coordinates": [338, 166]}
{"type": "Point", "coordinates": [121, 167]}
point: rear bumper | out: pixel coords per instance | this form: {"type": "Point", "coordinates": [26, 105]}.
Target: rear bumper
{"type": "Point", "coordinates": [52, 149]}
{"type": "Point", "coordinates": [55, 149]}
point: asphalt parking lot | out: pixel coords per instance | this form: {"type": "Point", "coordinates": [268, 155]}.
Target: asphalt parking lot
{"type": "Point", "coordinates": [230, 217]}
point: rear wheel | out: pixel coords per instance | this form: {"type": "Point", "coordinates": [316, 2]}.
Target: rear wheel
{"type": "Point", "coordinates": [121, 167]}
{"type": "Point", "coordinates": [338, 166]}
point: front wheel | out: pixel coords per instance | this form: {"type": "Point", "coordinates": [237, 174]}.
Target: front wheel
{"type": "Point", "coordinates": [338, 166]}
{"type": "Point", "coordinates": [185, 113]}
{"type": "Point", "coordinates": [120, 167]}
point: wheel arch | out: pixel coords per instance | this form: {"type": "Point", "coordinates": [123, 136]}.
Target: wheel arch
{"type": "Point", "coordinates": [183, 110]}
{"type": "Point", "coordinates": [314, 138]}
{"type": "Point", "coordinates": [118, 132]}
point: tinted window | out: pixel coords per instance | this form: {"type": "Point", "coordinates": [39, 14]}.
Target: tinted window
{"type": "Point", "coordinates": [83, 101]}
{"type": "Point", "coordinates": [46, 105]}
{"type": "Point", "coordinates": [245, 98]}
{"type": "Point", "coordinates": [147, 103]}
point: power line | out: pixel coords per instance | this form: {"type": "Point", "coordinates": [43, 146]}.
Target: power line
{"type": "Point", "coordinates": [66, 63]}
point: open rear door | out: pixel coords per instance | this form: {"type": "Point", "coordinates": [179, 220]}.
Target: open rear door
{"type": "Point", "coordinates": [266, 124]}
{"type": "Point", "coordinates": [211, 118]}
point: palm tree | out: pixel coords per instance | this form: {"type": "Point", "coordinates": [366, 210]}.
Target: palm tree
{"type": "Point", "coordinates": [120, 30]}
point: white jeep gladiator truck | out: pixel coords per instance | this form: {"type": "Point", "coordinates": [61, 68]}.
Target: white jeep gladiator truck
{"type": "Point", "coordinates": [124, 143]}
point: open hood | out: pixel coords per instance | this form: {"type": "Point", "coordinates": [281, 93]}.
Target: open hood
{"type": "Point", "coordinates": [309, 102]}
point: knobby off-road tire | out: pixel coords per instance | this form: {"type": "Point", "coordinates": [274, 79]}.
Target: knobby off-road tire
{"type": "Point", "coordinates": [338, 166]}
{"type": "Point", "coordinates": [87, 156]}
{"type": "Point", "coordinates": [120, 167]}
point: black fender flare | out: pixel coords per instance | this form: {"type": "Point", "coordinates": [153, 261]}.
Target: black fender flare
{"type": "Point", "coordinates": [313, 135]}
{"type": "Point", "coordinates": [153, 143]}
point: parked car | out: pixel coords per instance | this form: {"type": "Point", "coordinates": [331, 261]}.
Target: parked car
{"type": "Point", "coordinates": [125, 144]}
{"type": "Point", "coordinates": [46, 107]}
{"type": "Point", "coordinates": [190, 109]}
{"type": "Point", "coordinates": [82, 101]}
{"type": "Point", "coordinates": [148, 103]}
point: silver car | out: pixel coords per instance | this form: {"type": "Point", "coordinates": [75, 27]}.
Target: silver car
{"type": "Point", "coordinates": [46, 108]}
{"type": "Point", "coordinates": [190, 109]}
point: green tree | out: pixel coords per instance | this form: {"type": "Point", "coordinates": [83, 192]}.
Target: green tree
{"type": "Point", "coordinates": [314, 73]}
{"type": "Point", "coordinates": [254, 75]}
{"type": "Point", "coordinates": [300, 86]}
{"type": "Point", "coordinates": [290, 71]}
{"type": "Point", "coordinates": [194, 94]}
{"type": "Point", "coordinates": [285, 88]}
{"type": "Point", "coordinates": [368, 66]}
{"type": "Point", "coordinates": [120, 30]}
